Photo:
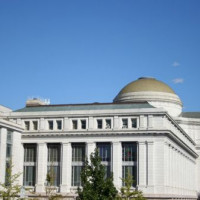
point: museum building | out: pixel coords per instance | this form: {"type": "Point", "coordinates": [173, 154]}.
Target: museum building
{"type": "Point", "coordinates": [143, 131]}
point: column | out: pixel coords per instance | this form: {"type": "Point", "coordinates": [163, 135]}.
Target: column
{"type": "Point", "coordinates": [150, 155]}
{"type": "Point", "coordinates": [66, 168]}
{"type": "Point", "coordinates": [117, 164]}
{"type": "Point", "coordinates": [17, 155]}
{"type": "Point", "coordinates": [3, 138]}
{"type": "Point", "coordinates": [142, 164]}
{"type": "Point", "coordinates": [41, 167]}
{"type": "Point", "coordinates": [90, 149]}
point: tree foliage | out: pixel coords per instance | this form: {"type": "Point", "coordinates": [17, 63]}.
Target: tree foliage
{"type": "Point", "coordinates": [10, 188]}
{"type": "Point", "coordinates": [94, 184]}
{"type": "Point", "coordinates": [127, 192]}
{"type": "Point", "coordinates": [51, 190]}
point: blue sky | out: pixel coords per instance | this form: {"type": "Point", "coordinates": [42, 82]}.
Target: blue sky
{"type": "Point", "coordinates": [84, 51]}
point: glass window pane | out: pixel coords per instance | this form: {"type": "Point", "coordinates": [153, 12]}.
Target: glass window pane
{"type": "Point", "coordinates": [76, 175]}
{"type": "Point", "coordinates": [78, 152]}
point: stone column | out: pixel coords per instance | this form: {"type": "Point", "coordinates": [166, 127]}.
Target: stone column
{"type": "Point", "coordinates": [3, 138]}
{"type": "Point", "coordinates": [41, 167]}
{"type": "Point", "coordinates": [90, 149]}
{"type": "Point", "coordinates": [17, 155]}
{"type": "Point", "coordinates": [150, 172]}
{"type": "Point", "coordinates": [117, 164]}
{"type": "Point", "coordinates": [66, 168]}
{"type": "Point", "coordinates": [142, 165]}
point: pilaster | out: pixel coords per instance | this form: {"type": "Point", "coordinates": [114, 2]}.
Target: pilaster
{"type": "Point", "coordinates": [150, 164]}
{"type": "Point", "coordinates": [142, 164]}
{"type": "Point", "coordinates": [41, 167]}
{"type": "Point", "coordinates": [117, 164]}
{"type": "Point", "coordinates": [66, 168]}
{"type": "Point", "coordinates": [3, 138]}
{"type": "Point", "coordinates": [17, 154]}
{"type": "Point", "coordinates": [90, 149]}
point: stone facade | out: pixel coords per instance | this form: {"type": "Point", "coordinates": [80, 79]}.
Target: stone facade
{"type": "Point", "coordinates": [166, 163]}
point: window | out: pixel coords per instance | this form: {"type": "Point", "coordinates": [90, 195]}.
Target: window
{"type": "Point", "coordinates": [35, 125]}
{"type": "Point", "coordinates": [83, 124]}
{"type": "Point", "coordinates": [59, 124]}
{"type": "Point", "coordinates": [129, 160]}
{"type": "Point", "coordinates": [74, 124]}
{"type": "Point", "coordinates": [134, 123]}
{"type": "Point", "coordinates": [108, 123]}
{"type": "Point", "coordinates": [50, 125]}
{"type": "Point", "coordinates": [27, 125]}
{"type": "Point", "coordinates": [78, 157]}
{"type": "Point", "coordinates": [105, 154]}
{"type": "Point", "coordinates": [99, 124]}
{"type": "Point", "coordinates": [53, 165]}
{"type": "Point", "coordinates": [29, 175]}
{"type": "Point", "coordinates": [124, 123]}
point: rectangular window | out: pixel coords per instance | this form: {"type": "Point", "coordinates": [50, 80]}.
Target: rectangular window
{"type": "Point", "coordinates": [108, 124]}
{"type": "Point", "coordinates": [29, 175]}
{"type": "Point", "coordinates": [59, 124]}
{"type": "Point", "coordinates": [50, 125]}
{"type": "Point", "coordinates": [27, 125]}
{"type": "Point", "coordinates": [35, 125]}
{"type": "Point", "coordinates": [74, 124]}
{"type": "Point", "coordinates": [99, 123]}
{"type": "Point", "coordinates": [124, 123]}
{"type": "Point", "coordinates": [83, 124]}
{"type": "Point", "coordinates": [53, 165]}
{"type": "Point", "coordinates": [129, 161]}
{"type": "Point", "coordinates": [78, 157]}
{"type": "Point", "coordinates": [105, 154]}
{"type": "Point", "coordinates": [134, 123]}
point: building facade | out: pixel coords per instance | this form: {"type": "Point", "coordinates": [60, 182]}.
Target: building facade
{"type": "Point", "coordinates": [143, 132]}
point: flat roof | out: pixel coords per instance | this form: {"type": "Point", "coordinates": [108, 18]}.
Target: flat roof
{"type": "Point", "coordinates": [92, 106]}
{"type": "Point", "coordinates": [190, 115]}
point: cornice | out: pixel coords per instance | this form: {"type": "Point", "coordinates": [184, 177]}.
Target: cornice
{"type": "Point", "coordinates": [10, 125]}
{"type": "Point", "coordinates": [153, 133]}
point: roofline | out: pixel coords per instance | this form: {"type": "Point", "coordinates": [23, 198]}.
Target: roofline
{"type": "Point", "coordinates": [88, 104]}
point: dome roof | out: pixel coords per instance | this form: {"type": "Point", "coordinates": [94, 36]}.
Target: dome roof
{"type": "Point", "coordinates": [155, 92]}
{"type": "Point", "coordinates": [146, 84]}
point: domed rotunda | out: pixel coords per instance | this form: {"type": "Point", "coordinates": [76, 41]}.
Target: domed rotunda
{"type": "Point", "coordinates": [155, 92]}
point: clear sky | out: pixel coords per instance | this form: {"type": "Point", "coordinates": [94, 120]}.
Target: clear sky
{"type": "Point", "coordinates": [84, 51]}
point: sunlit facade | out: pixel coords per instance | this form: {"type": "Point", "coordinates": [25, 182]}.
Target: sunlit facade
{"type": "Point", "coordinates": [142, 132]}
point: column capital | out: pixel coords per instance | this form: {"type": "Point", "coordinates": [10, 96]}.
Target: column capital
{"type": "Point", "coordinates": [142, 142]}
{"type": "Point", "coordinates": [65, 143]}
{"type": "Point", "coordinates": [116, 142]}
{"type": "Point", "coordinates": [150, 142]}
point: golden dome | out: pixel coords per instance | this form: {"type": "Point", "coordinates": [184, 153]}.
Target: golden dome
{"type": "Point", "coordinates": [144, 84]}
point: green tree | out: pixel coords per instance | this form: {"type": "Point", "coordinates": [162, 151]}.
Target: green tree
{"type": "Point", "coordinates": [127, 192]}
{"type": "Point", "coordinates": [10, 188]}
{"type": "Point", "coordinates": [94, 184]}
{"type": "Point", "coordinates": [51, 190]}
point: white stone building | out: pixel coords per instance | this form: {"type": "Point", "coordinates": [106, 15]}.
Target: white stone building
{"type": "Point", "coordinates": [143, 131]}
